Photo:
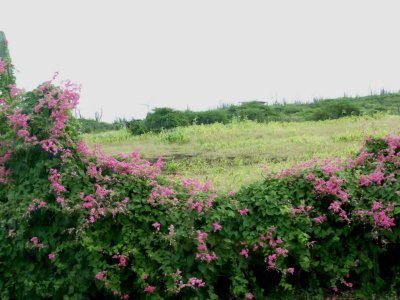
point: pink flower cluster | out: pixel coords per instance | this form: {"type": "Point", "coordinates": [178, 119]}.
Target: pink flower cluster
{"type": "Point", "coordinates": [156, 225]}
{"type": "Point", "coordinates": [243, 212]}
{"type": "Point", "coordinates": [217, 227]}
{"type": "Point", "coordinates": [249, 296]}
{"type": "Point", "coordinates": [379, 215]}
{"type": "Point", "coordinates": [202, 204]}
{"type": "Point", "coordinates": [301, 209]}
{"type": "Point", "coordinates": [122, 260]}
{"type": "Point", "coordinates": [4, 173]}
{"type": "Point", "coordinates": [202, 251]}
{"type": "Point", "coordinates": [149, 289]}
{"type": "Point", "coordinates": [162, 194]}
{"type": "Point", "coordinates": [35, 205]}
{"type": "Point", "coordinates": [102, 275]}
{"type": "Point", "coordinates": [333, 186]}
{"type": "Point", "coordinates": [244, 252]}
{"type": "Point", "coordinates": [336, 207]}
{"type": "Point", "coordinates": [13, 91]}
{"type": "Point", "coordinates": [55, 180]}
{"type": "Point", "coordinates": [36, 242]}
{"type": "Point", "coordinates": [124, 165]}
{"type": "Point", "coordinates": [3, 66]}
{"type": "Point", "coordinates": [319, 220]}
{"type": "Point", "coordinates": [376, 177]}
{"type": "Point", "coordinates": [193, 282]}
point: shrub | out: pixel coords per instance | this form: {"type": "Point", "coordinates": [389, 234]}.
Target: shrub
{"type": "Point", "coordinates": [137, 127]}
{"type": "Point", "coordinates": [77, 224]}
{"type": "Point", "coordinates": [335, 110]}
{"type": "Point", "coordinates": [165, 118]}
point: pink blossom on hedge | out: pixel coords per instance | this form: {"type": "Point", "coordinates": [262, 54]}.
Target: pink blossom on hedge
{"type": "Point", "coordinates": [271, 260]}
{"type": "Point", "coordinates": [149, 289]}
{"type": "Point", "coordinates": [193, 282]}
{"type": "Point", "coordinates": [203, 253]}
{"type": "Point", "coordinates": [348, 284]}
{"type": "Point", "coordinates": [18, 120]}
{"type": "Point", "coordinates": [290, 270]}
{"type": "Point", "coordinates": [156, 225]}
{"type": "Point", "coordinates": [244, 252]}
{"type": "Point", "coordinates": [310, 177]}
{"type": "Point", "coordinates": [282, 252]}
{"type": "Point", "coordinates": [337, 208]}
{"type": "Point", "coordinates": [102, 275]}
{"type": "Point", "coordinates": [13, 91]}
{"type": "Point", "coordinates": [51, 256]}
{"type": "Point", "coordinates": [3, 68]}
{"type": "Point", "coordinates": [56, 181]}
{"type": "Point", "coordinates": [243, 212]}
{"type": "Point", "coordinates": [171, 231]}
{"type": "Point", "coordinates": [35, 240]}
{"type": "Point", "coordinates": [61, 201]}
{"type": "Point", "coordinates": [217, 227]}
{"type": "Point", "coordinates": [39, 106]}
{"type": "Point", "coordinates": [319, 220]}
{"type": "Point", "coordinates": [249, 296]}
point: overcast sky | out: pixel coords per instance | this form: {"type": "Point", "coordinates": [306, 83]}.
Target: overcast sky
{"type": "Point", "coordinates": [130, 56]}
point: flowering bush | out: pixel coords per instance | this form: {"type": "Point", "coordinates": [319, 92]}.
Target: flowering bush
{"type": "Point", "coordinates": [77, 224]}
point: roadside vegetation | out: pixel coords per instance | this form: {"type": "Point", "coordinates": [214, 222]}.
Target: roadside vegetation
{"type": "Point", "coordinates": [241, 152]}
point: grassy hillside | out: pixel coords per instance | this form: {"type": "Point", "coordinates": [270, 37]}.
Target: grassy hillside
{"type": "Point", "coordinates": [239, 152]}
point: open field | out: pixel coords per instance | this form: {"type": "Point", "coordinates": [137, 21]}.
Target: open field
{"type": "Point", "coordinates": [236, 154]}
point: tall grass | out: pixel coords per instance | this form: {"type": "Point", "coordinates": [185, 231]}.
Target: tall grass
{"type": "Point", "coordinates": [238, 153]}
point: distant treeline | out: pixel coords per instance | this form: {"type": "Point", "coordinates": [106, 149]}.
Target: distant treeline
{"type": "Point", "coordinates": [167, 118]}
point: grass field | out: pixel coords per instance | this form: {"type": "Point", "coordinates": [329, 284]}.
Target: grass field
{"type": "Point", "coordinates": [239, 153]}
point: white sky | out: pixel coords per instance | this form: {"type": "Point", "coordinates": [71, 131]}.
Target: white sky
{"type": "Point", "coordinates": [131, 55]}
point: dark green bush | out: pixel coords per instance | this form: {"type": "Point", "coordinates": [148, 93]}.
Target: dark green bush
{"type": "Point", "coordinates": [165, 118]}
{"type": "Point", "coordinates": [335, 110]}
{"type": "Point", "coordinates": [137, 127]}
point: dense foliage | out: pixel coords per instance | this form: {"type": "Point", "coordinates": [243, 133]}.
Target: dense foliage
{"type": "Point", "coordinates": [96, 126]}
{"type": "Point", "coordinates": [77, 224]}
{"type": "Point", "coordinates": [167, 118]}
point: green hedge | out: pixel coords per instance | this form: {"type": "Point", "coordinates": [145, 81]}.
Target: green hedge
{"type": "Point", "coordinates": [77, 224]}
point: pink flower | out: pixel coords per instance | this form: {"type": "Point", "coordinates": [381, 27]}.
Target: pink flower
{"type": "Point", "coordinates": [217, 227]}
{"type": "Point", "coordinates": [35, 240]}
{"type": "Point", "coordinates": [249, 296]}
{"type": "Point", "coordinates": [319, 220]}
{"type": "Point", "coordinates": [244, 252]}
{"type": "Point", "coordinates": [376, 205]}
{"type": "Point", "coordinates": [150, 289]}
{"type": "Point", "coordinates": [310, 177]}
{"type": "Point", "coordinates": [282, 252]}
{"type": "Point", "coordinates": [195, 281]}
{"type": "Point", "coordinates": [290, 270]}
{"type": "Point", "coordinates": [243, 211]}
{"type": "Point", "coordinates": [2, 66]}
{"type": "Point", "coordinates": [171, 229]}
{"type": "Point", "coordinates": [122, 261]}
{"type": "Point", "coordinates": [13, 91]}
{"type": "Point", "coordinates": [102, 275]}
{"type": "Point", "coordinates": [51, 256]}
{"type": "Point", "coordinates": [156, 225]}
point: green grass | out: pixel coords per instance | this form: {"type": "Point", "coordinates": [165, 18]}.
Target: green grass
{"type": "Point", "coordinates": [237, 153]}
